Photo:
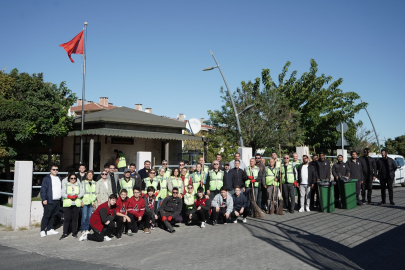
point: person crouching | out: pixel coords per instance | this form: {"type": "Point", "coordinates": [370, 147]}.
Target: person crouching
{"type": "Point", "coordinates": [170, 210]}
{"type": "Point", "coordinates": [151, 205]}
{"type": "Point", "coordinates": [124, 219]}
{"type": "Point", "coordinates": [222, 206]}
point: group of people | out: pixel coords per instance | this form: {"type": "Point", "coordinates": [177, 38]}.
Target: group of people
{"type": "Point", "coordinates": [111, 206]}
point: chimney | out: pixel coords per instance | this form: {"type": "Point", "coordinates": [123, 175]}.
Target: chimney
{"type": "Point", "coordinates": [202, 121]}
{"type": "Point", "coordinates": [138, 107]}
{"type": "Point", "coordinates": [148, 110]}
{"type": "Point", "coordinates": [110, 104]}
{"type": "Point", "coordinates": [79, 102]}
{"type": "Point", "coordinates": [90, 102]}
{"type": "Point", "coordinates": [181, 117]}
{"type": "Point", "coordinates": [104, 101]}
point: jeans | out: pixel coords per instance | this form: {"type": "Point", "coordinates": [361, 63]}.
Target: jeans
{"type": "Point", "coordinates": [245, 213]}
{"type": "Point", "coordinates": [86, 214]}
{"type": "Point", "coordinates": [305, 190]}
{"type": "Point", "coordinates": [50, 210]}
{"type": "Point", "coordinates": [106, 231]}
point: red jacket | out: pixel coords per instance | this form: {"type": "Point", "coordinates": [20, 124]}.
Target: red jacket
{"type": "Point", "coordinates": [205, 203]}
{"type": "Point", "coordinates": [102, 214]}
{"type": "Point", "coordinates": [122, 206]}
{"type": "Point", "coordinates": [137, 208]}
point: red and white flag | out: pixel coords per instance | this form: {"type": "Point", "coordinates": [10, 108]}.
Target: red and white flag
{"type": "Point", "coordinates": [74, 46]}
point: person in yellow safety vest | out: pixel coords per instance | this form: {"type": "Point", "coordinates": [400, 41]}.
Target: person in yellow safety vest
{"type": "Point", "coordinates": [278, 161]}
{"type": "Point", "coordinates": [296, 163]}
{"type": "Point", "coordinates": [206, 169]}
{"type": "Point", "coordinates": [270, 184]}
{"type": "Point", "coordinates": [151, 181]}
{"type": "Point", "coordinates": [88, 200]}
{"type": "Point", "coordinates": [163, 186]}
{"type": "Point", "coordinates": [254, 179]}
{"type": "Point", "coordinates": [181, 166]}
{"type": "Point", "coordinates": [127, 183]}
{"type": "Point", "coordinates": [287, 175]}
{"type": "Point", "coordinates": [198, 178]}
{"type": "Point", "coordinates": [215, 180]}
{"type": "Point", "coordinates": [185, 177]}
{"type": "Point", "coordinates": [168, 171]}
{"type": "Point", "coordinates": [175, 182]}
{"type": "Point", "coordinates": [120, 162]}
{"type": "Point", "coordinates": [189, 199]}
{"type": "Point", "coordinates": [72, 193]}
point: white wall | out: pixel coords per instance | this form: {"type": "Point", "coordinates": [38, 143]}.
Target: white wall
{"type": "Point", "coordinates": [6, 215]}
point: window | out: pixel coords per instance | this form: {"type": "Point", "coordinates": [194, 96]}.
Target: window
{"type": "Point", "coordinates": [400, 162]}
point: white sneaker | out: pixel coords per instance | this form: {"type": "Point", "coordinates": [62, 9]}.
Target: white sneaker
{"type": "Point", "coordinates": [202, 224]}
{"type": "Point", "coordinates": [43, 233]}
{"type": "Point", "coordinates": [235, 221]}
{"type": "Point", "coordinates": [106, 238]}
{"type": "Point", "coordinates": [52, 232]}
{"type": "Point", "coordinates": [308, 209]}
{"type": "Point", "coordinates": [244, 220]}
{"type": "Point", "coordinates": [301, 210]}
{"type": "Point", "coordinates": [83, 237]}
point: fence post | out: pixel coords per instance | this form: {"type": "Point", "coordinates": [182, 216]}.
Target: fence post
{"type": "Point", "coordinates": [22, 194]}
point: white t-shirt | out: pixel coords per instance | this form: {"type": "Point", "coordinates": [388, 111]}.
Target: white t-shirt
{"type": "Point", "coordinates": [304, 175]}
{"type": "Point", "coordinates": [106, 185]}
{"type": "Point", "coordinates": [56, 188]}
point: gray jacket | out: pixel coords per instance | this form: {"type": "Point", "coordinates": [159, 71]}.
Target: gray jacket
{"type": "Point", "coordinates": [102, 193]}
{"type": "Point", "coordinates": [217, 201]}
{"type": "Point", "coordinates": [67, 185]}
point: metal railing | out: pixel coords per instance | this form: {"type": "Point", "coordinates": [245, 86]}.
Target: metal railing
{"type": "Point", "coordinates": [6, 181]}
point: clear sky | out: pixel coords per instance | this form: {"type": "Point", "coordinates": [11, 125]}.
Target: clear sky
{"type": "Point", "coordinates": [153, 52]}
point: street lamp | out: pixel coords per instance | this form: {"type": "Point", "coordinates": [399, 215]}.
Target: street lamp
{"type": "Point", "coordinates": [230, 94]}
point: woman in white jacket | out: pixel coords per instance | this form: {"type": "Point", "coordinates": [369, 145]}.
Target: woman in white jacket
{"type": "Point", "coordinates": [103, 188]}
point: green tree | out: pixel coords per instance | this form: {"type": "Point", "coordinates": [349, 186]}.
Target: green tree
{"type": "Point", "coordinates": [396, 146]}
{"type": "Point", "coordinates": [33, 112]}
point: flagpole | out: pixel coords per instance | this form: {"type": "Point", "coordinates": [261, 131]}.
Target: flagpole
{"type": "Point", "coordinates": [84, 83]}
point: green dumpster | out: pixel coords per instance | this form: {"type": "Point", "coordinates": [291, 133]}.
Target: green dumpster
{"type": "Point", "coordinates": [347, 190]}
{"type": "Point", "coordinates": [326, 196]}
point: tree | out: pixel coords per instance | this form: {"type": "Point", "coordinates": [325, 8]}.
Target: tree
{"type": "Point", "coordinates": [33, 112]}
{"type": "Point", "coordinates": [321, 104]}
{"type": "Point", "coordinates": [396, 146]}
{"type": "Point", "coordinates": [269, 122]}
{"type": "Point", "coordinates": [363, 138]}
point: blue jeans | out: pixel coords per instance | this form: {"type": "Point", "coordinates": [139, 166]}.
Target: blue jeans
{"type": "Point", "coordinates": [86, 213]}
{"type": "Point", "coordinates": [158, 202]}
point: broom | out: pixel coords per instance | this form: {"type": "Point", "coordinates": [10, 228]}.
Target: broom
{"type": "Point", "coordinates": [274, 191]}
{"type": "Point", "coordinates": [280, 207]}
{"type": "Point", "coordinates": [258, 212]}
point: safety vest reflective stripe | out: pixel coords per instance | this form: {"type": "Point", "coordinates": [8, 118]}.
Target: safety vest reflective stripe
{"type": "Point", "coordinates": [189, 200]}
{"type": "Point", "coordinates": [216, 180]}
{"type": "Point", "coordinates": [270, 176]}
{"type": "Point", "coordinates": [290, 174]}
{"type": "Point", "coordinates": [252, 172]}
{"type": "Point", "coordinates": [89, 196]}
{"type": "Point", "coordinates": [196, 180]}
{"type": "Point", "coordinates": [154, 183]}
{"type": "Point", "coordinates": [72, 191]}
{"type": "Point", "coordinates": [128, 186]}
{"type": "Point", "coordinates": [206, 169]}
{"type": "Point", "coordinates": [163, 187]}
{"type": "Point", "coordinates": [121, 161]}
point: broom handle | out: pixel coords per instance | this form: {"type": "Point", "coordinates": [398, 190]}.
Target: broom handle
{"type": "Point", "coordinates": [281, 180]}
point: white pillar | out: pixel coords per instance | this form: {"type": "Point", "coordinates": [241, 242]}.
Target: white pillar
{"type": "Point", "coordinates": [339, 152]}
{"type": "Point", "coordinates": [91, 153]}
{"type": "Point", "coordinates": [302, 150]}
{"type": "Point", "coordinates": [141, 157]}
{"type": "Point", "coordinates": [22, 194]}
{"type": "Point", "coordinates": [167, 152]}
{"type": "Point", "coordinates": [245, 154]}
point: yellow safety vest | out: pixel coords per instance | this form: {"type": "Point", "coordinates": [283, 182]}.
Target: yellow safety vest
{"type": "Point", "coordinates": [89, 196]}
{"type": "Point", "coordinates": [197, 179]}
{"type": "Point", "coordinates": [168, 173]}
{"type": "Point", "coordinates": [206, 169]}
{"type": "Point", "coordinates": [252, 172]}
{"type": "Point", "coordinates": [163, 187]}
{"type": "Point", "coordinates": [216, 180]}
{"type": "Point", "coordinates": [72, 190]}
{"type": "Point", "coordinates": [189, 200]}
{"type": "Point", "coordinates": [270, 176]}
{"type": "Point", "coordinates": [129, 186]}
{"type": "Point", "coordinates": [176, 182]}
{"type": "Point", "coordinates": [290, 174]}
{"type": "Point", "coordinates": [154, 183]}
{"type": "Point", "coordinates": [121, 161]}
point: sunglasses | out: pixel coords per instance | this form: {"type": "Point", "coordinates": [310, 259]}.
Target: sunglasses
{"type": "Point", "coordinates": [55, 170]}
{"type": "Point", "coordinates": [257, 158]}
{"type": "Point", "coordinates": [174, 192]}
{"type": "Point", "coordinates": [164, 163]}
{"type": "Point", "coordinates": [72, 178]}
{"type": "Point", "coordinates": [103, 174]}
{"type": "Point", "coordinates": [151, 173]}
{"type": "Point", "coordinates": [190, 188]}
{"type": "Point", "coordinates": [216, 164]}
{"type": "Point", "coordinates": [181, 164]}
{"type": "Point", "coordinates": [286, 158]}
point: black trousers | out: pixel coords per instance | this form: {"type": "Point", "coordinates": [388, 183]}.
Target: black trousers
{"type": "Point", "coordinates": [387, 183]}
{"type": "Point", "coordinates": [367, 186]}
{"type": "Point", "coordinates": [213, 193]}
{"type": "Point", "coordinates": [99, 237]}
{"type": "Point", "coordinates": [71, 216]}
{"type": "Point", "coordinates": [50, 210]}
{"type": "Point", "coordinates": [218, 215]}
{"type": "Point", "coordinates": [289, 193]}
{"type": "Point", "coordinates": [246, 212]}
{"type": "Point", "coordinates": [314, 191]}
{"type": "Point", "coordinates": [128, 225]}
{"type": "Point", "coordinates": [201, 215]}
{"type": "Point", "coordinates": [144, 223]}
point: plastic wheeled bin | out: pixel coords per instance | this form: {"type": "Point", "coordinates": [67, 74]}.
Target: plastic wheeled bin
{"type": "Point", "coordinates": [347, 190]}
{"type": "Point", "coordinates": [326, 196]}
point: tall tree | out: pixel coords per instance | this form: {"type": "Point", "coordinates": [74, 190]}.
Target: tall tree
{"type": "Point", "coordinates": [33, 112]}
{"type": "Point", "coordinates": [396, 146]}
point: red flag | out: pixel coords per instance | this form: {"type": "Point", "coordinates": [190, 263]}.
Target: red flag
{"type": "Point", "coordinates": [74, 46]}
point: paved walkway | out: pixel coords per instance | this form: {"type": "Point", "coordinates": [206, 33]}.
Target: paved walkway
{"type": "Point", "coordinates": [369, 237]}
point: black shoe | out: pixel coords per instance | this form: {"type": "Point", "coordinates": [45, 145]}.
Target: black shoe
{"type": "Point", "coordinates": [369, 202]}
{"type": "Point", "coordinates": [381, 203]}
{"type": "Point", "coordinates": [118, 236]}
{"type": "Point", "coordinates": [292, 211]}
{"type": "Point", "coordinates": [74, 235]}
{"type": "Point", "coordinates": [173, 231]}
{"type": "Point", "coordinates": [214, 223]}
{"type": "Point", "coordinates": [392, 203]}
{"type": "Point", "coordinates": [363, 202]}
{"type": "Point", "coordinates": [64, 236]}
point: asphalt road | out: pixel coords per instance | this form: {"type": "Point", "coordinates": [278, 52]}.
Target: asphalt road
{"type": "Point", "coordinates": [369, 237]}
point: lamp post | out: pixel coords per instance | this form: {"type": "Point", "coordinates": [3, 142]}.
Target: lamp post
{"type": "Point", "coordinates": [230, 94]}
{"type": "Point", "coordinates": [376, 136]}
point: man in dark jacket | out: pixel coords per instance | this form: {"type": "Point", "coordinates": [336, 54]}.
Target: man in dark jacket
{"type": "Point", "coordinates": [240, 206]}
{"type": "Point", "coordinates": [51, 193]}
{"type": "Point", "coordinates": [369, 174]}
{"type": "Point", "coordinates": [170, 210]}
{"type": "Point", "coordinates": [386, 174]}
{"type": "Point", "coordinates": [111, 177]}
{"type": "Point", "coordinates": [144, 173]}
{"type": "Point", "coordinates": [133, 174]}
{"type": "Point", "coordinates": [228, 178]}
{"type": "Point", "coordinates": [306, 179]}
{"type": "Point", "coordinates": [81, 175]}
{"type": "Point", "coordinates": [239, 176]}
{"type": "Point", "coordinates": [262, 192]}
{"type": "Point", "coordinates": [356, 172]}
{"type": "Point", "coordinates": [339, 169]}
{"type": "Point", "coordinates": [314, 190]}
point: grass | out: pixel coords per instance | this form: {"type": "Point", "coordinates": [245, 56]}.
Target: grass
{"type": "Point", "coordinates": [22, 228]}
{"type": "Point", "coordinates": [36, 199]}
{"type": "Point", "coordinates": [8, 205]}
{"type": "Point", "coordinates": [36, 225]}
{"type": "Point", "coordinates": [8, 228]}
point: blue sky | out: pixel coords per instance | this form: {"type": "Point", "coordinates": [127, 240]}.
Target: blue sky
{"type": "Point", "coordinates": [153, 52]}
